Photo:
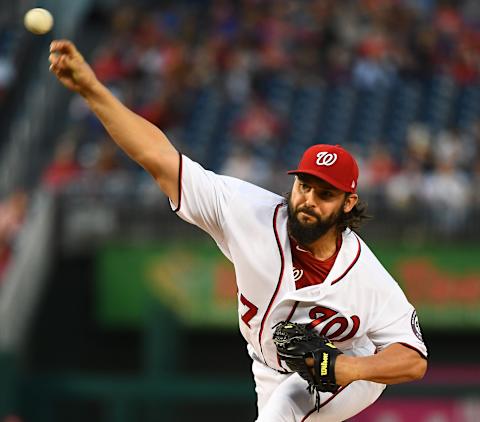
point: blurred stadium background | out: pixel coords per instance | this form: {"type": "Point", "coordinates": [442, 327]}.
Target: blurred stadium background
{"type": "Point", "coordinates": [112, 309]}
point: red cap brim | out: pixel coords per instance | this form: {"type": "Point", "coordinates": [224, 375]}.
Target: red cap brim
{"type": "Point", "coordinates": [324, 177]}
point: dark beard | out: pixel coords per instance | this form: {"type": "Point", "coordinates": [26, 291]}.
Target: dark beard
{"type": "Point", "coordinates": [306, 234]}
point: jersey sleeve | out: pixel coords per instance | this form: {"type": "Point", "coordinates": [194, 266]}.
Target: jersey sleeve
{"type": "Point", "coordinates": [203, 198]}
{"type": "Point", "coordinates": [397, 322]}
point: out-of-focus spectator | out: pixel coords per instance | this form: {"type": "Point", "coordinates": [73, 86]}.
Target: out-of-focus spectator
{"type": "Point", "coordinates": [159, 111]}
{"type": "Point", "coordinates": [454, 147]}
{"type": "Point", "coordinates": [12, 214]}
{"type": "Point", "coordinates": [370, 73]}
{"type": "Point", "coordinates": [245, 165]}
{"type": "Point", "coordinates": [405, 189]}
{"type": "Point", "coordinates": [464, 67]}
{"type": "Point", "coordinates": [418, 144]}
{"type": "Point", "coordinates": [421, 55]}
{"type": "Point", "coordinates": [447, 192]}
{"type": "Point", "coordinates": [373, 68]}
{"type": "Point", "coordinates": [379, 168]}
{"type": "Point", "coordinates": [109, 65]}
{"type": "Point", "coordinates": [238, 79]}
{"type": "Point", "coordinates": [338, 69]}
{"type": "Point", "coordinates": [258, 126]}
{"type": "Point", "coordinates": [64, 167]}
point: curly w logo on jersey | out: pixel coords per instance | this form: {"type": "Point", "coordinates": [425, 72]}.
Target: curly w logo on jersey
{"type": "Point", "coordinates": [333, 324]}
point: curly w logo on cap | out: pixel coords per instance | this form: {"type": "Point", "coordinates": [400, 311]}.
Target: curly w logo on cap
{"type": "Point", "coordinates": [325, 158]}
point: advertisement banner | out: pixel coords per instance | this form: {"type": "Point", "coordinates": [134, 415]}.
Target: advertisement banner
{"type": "Point", "coordinates": [197, 282]}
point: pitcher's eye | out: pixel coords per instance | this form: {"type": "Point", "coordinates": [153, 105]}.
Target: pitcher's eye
{"type": "Point", "coordinates": [326, 194]}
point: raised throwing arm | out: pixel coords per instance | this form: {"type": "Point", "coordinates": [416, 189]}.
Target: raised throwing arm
{"type": "Point", "coordinates": [141, 140]}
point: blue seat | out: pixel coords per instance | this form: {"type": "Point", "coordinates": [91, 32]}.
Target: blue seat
{"type": "Point", "coordinates": [369, 115]}
{"type": "Point", "coordinates": [202, 123]}
{"type": "Point", "coordinates": [337, 115]}
{"type": "Point", "coordinates": [439, 102]}
{"type": "Point", "coordinates": [404, 108]}
{"type": "Point", "coordinates": [467, 106]}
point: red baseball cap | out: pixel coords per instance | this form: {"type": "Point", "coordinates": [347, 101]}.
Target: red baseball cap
{"type": "Point", "coordinates": [330, 163]}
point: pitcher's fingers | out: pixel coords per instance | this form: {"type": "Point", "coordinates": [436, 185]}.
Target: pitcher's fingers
{"type": "Point", "coordinates": [62, 62]}
{"type": "Point", "coordinates": [57, 63]}
{"type": "Point", "coordinates": [63, 46]}
{"type": "Point", "coordinates": [54, 69]}
{"type": "Point", "coordinates": [53, 58]}
{"type": "Point", "coordinates": [68, 62]}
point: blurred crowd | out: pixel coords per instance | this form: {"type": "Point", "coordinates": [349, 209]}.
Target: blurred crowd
{"type": "Point", "coordinates": [158, 58]}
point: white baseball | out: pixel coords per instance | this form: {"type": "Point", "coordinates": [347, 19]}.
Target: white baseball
{"type": "Point", "coordinates": [38, 21]}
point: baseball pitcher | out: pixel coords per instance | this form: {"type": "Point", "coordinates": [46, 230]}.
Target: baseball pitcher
{"type": "Point", "coordinates": [326, 326]}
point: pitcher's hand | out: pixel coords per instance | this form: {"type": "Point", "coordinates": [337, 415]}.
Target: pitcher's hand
{"type": "Point", "coordinates": [69, 66]}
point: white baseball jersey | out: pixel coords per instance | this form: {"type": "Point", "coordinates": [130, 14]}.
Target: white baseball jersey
{"type": "Point", "coordinates": [359, 306]}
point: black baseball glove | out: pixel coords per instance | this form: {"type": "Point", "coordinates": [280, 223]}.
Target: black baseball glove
{"type": "Point", "coordinates": [295, 343]}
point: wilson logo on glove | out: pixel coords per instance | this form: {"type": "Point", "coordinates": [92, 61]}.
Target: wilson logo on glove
{"type": "Point", "coordinates": [324, 365]}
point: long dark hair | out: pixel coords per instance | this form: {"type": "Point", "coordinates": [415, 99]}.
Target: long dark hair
{"type": "Point", "coordinates": [355, 218]}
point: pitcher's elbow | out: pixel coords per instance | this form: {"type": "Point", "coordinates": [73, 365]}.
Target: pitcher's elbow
{"type": "Point", "coordinates": [420, 369]}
